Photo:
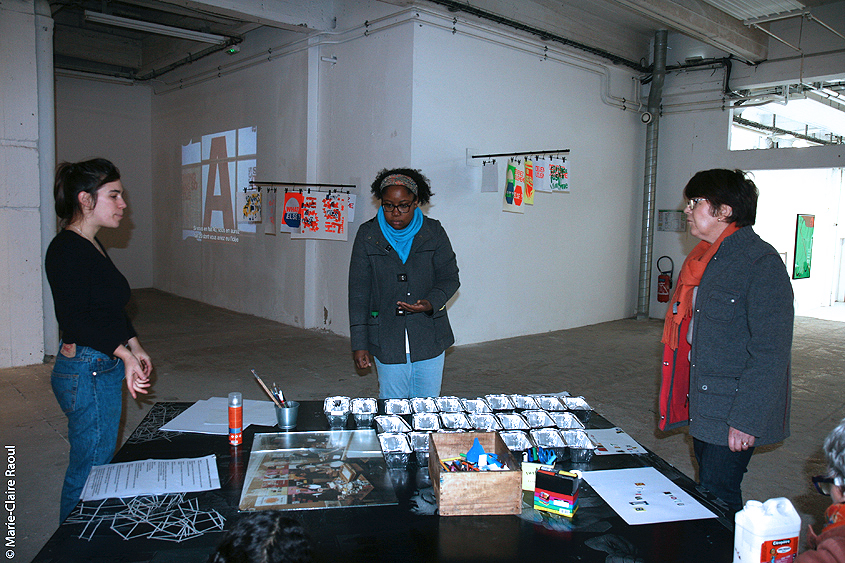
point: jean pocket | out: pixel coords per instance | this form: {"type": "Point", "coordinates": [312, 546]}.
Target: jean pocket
{"type": "Point", "coordinates": [65, 388]}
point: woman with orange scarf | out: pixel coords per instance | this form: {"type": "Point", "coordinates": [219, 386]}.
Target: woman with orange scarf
{"type": "Point", "coordinates": [728, 335]}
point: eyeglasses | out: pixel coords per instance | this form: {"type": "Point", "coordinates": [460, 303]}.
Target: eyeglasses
{"type": "Point", "coordinates": [402, 207]}
{"type": "Point", "coordinates": [694, 201]}
{"type": "Point", "coordinates": [823, 484]}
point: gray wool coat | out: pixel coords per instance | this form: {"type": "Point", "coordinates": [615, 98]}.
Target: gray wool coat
{"type": "Point", "coordinates": [742, 344]}
{"type": "Point", "coordinates": [378, 279]}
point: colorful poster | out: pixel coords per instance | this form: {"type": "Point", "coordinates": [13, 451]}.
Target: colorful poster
{"type": "Point", "coordinates": [803, 246]}
{"type": "Point", "coordinates": [323, 217]}
{"type": "Point", "coordinates": [490, 177]}
{"type": "Point", "coordinates": [541, 175]}
{"type": "Point", "coordinates": [291, 213]}
{"type": "Point", "coordinates": [250, 206]}
{"type": "Point", "coordinates": [559, 175]}
{"type": "Point", "coordinates": [271, 211]}
{"type": "Point", "coordinates": [513, 188]}
{"type": "Point", "coordinates": [529, 182]}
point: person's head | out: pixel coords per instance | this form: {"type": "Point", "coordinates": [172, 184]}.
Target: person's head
{"type": "Point", "coordinates": [401, 191]}
{"type": "Point", "coordinates": [77, 187]}
{"type": "Point", "coordinates": [263, 537]}
{"type": "Point", "coordinates": [834, 451]}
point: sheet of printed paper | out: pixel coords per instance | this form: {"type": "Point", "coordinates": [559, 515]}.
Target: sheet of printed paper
{"type": "Point", "coordinates": [291, 221]}
{"type": "Point", "coordinates": [271, 212]}
{"type": "Point", "coordinates": [610, 441]}
{"type": "Point", "coordinates": [513, 198]}
{"type": "Point", "coordinates": [250, 205]}
{"type": "Point", "coordinates": [529, 182]}
{"type": "Point", "coordinates": [151, 477]}
{"type": "Point", "coordinates": [490, 177]}
{"type": "Point", "coordinates": [350, 207]}
{"type": "Point", "coordinates": [323, 217]}
{"type": "Point", "coordinates": [559, 174]}
{"type": "Point", "coordinates": [643, 495]}
{"type": "Point", "coordinates": [541, 175]}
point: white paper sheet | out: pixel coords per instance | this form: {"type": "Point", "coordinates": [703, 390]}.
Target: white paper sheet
{"type": "Point", "coordinates": [212, 416]}
{"type": "Point", "coordinates": [611, 441]}
{"type": "Point", "coordinates": [643, 495]}
{"type": "Point", "coordinates": [151, 477]}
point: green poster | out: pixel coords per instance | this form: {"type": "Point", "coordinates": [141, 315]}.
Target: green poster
{"type": "Point", "coordinates": [803, 246]}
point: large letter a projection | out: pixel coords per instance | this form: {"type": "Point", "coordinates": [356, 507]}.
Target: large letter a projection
{"type": "Point", "coordinates": [219, 167]}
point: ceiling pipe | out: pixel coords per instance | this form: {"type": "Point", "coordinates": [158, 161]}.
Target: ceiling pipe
{"type": "Point", "coordinates": [655, 97]}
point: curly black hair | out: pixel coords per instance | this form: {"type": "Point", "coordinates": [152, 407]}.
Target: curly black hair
{"type": "Point", "coordinates": [264, 537]}
{"type": "Point", "coordinates": [424, 192]}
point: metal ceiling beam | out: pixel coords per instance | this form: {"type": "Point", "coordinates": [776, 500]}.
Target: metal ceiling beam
{"type": "Point", "coordinates": [705, 23]}
{"type": "Point", "coordinates": [292, 15]}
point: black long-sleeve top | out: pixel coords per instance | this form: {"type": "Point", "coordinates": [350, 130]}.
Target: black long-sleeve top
{"type": "Point", "coordinates": [89, 292]}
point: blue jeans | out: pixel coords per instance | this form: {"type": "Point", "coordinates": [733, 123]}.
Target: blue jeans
{"type": "Point", "coordinates": [720, 471]}
{"type": "Point", "coordinates": [88, 388]}
{"type": "Point", "coordinates": [411, 379]}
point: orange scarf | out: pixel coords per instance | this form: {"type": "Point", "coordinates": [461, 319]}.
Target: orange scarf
{"type": "Point", "coordinates": [688, 280]}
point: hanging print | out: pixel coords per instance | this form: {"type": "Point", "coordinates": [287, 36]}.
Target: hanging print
{"type": "Point", "coordinates": [271, 212]}
{"type": "Point", "coordinates": [489, 177]}
{"type": "Point", "coordinates": [323, 217]}
{"type": "Point", "coordinates": [291, 213]}
{"type": "Point", "coordinates": [513, 199]}
{"type": "Point", "coordinates": [559, 175]}
{"type": "Point", "coordinates": [250, 206]}
{"type": "Point", "coordinates": [803, 246]}
{"type": "Point", "coordinates": [541, 175]}
{"type": "Point", "coordinates": [529, 182]}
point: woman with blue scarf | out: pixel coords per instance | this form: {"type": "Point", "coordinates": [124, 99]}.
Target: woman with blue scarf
{"type": "Point", "coordinates": [402, 273]}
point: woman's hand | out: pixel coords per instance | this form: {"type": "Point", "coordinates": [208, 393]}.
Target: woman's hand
{"type": "Point", "coordinates": [362, 359]}
{"type": "Point", "coordinates": [146, 363]}
{"type": "Point", "coordinates": [137, 368]}
{"type": "Point", "coordinates": [739, 441]}
{"type": "Point", "coordinates": [421, 306]}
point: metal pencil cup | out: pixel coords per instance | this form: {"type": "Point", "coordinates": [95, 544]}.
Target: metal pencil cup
{"type": "Point", "coordinates": [286, 415]}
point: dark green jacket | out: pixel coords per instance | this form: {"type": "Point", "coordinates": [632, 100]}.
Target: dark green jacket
{"type": "Point", "coordinates": [378, 280]}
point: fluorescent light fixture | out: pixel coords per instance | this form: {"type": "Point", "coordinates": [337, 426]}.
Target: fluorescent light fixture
{"type": "Point", "coordinates": [159, 29]}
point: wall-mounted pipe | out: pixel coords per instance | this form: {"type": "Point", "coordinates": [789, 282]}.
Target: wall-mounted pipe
{"type": "Point", "coordinates": [655, 96]}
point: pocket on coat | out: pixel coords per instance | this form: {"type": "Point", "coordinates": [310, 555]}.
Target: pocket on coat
{"type": "Point", "coordinates": [715, 395]}
{"type": "Point", "coordinates": [721, 305]}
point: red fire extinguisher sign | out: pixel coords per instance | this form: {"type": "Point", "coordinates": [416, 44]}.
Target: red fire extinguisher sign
{"type": "Point", "coordinates": [664, 280]}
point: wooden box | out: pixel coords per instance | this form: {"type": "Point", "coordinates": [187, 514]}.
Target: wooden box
{"type": "Point", "coordinates": [465, 493]}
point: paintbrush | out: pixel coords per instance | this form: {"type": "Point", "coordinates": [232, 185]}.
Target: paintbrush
{"type": "Point", "coordinates": [273, 397]}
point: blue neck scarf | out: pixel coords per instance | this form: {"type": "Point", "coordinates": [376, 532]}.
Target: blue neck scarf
{"type": "Point", "coordinates": [402, 239]}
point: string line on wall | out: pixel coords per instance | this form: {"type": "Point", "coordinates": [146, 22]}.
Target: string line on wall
{"type": "Point", "coordinates": [333, 188]}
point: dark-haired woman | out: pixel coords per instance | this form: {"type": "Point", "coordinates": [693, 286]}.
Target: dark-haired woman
{"type": "Point", "coordinates": [729, 331]}
{"type": "Point", "coordinates": [402, 273]}
{"type": "Point", "coordinates": [265, 536]}
{"type": "Point", "coordinates": [99, 347]}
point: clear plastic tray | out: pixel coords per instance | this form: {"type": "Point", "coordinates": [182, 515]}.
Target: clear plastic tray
{"type": "Point", "coordinates": [550, 403]}
{"type": "Point", "coordinates": [524, 402]}
{"type": "Point", "coordinates": [396, 449]}
{"type": "Point", "coordinates": [581, 448]}
{"type": "Point", "coordinates": [476, 405]}
{"type": "Point", "coordinates": [547, 438]}
{"type": "Point", "coordinates": [516, 440]}
{"type": "Point", "coordinates": [337, 405]}
{"type": "Point", "coordinates": [566, 420]}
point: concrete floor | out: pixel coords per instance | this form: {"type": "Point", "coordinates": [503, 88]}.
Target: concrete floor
{"type": "Point", "coordinates": [200, 351]}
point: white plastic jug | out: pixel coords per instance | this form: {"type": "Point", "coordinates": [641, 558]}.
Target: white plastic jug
{"type": "Point", "coordinates": [767, 532]}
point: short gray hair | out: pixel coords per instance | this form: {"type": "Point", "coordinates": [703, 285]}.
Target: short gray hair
{"type": "Point", "coordinates": [834, 451]}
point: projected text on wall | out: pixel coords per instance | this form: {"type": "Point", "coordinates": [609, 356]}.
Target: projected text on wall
{"type": "Point", "coordinates": [215, 170]}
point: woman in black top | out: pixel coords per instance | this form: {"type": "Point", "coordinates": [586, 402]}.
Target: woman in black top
{"type": "Point", "coordinates": [99, 347]}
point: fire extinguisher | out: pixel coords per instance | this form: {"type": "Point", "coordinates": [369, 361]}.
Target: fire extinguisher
{"type": "Point", "coordinates": [664, 280]}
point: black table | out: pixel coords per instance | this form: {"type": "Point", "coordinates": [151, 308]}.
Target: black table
{"type": "Point", "coordinates": [399, 532]}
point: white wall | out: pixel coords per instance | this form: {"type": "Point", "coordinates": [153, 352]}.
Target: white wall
{"type": "Point", "coordinates": [113, 121]}
{"type": "Point", "coordinates": [693, 138]}
{"type": "Point", "coordinates": [21, 317]}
